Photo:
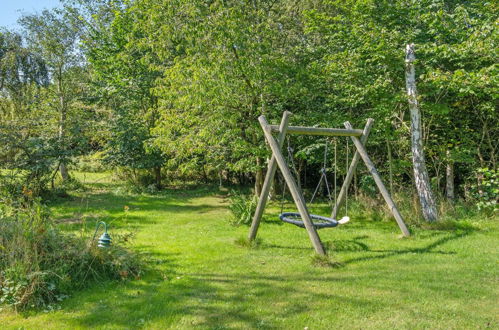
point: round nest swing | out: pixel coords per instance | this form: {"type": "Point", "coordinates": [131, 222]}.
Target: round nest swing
{"type": "Point", "coordinates": [317, 220]}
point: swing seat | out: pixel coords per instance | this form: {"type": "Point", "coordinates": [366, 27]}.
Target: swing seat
{"type": "Point", "coordinates": [317, 220]}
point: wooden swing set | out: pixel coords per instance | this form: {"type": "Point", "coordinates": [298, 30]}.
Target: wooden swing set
{"type": "Point", "coordinates": [359, 139]}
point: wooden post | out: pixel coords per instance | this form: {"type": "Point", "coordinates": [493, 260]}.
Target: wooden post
{"type": "Point", "coordinates": [293, 188]}
{"type": "Point", "coordinates": [271, 169]}
{"type": "Point", "coordinates": [351, 170]}
{"type": "Point", "coordinates": [386, 195]}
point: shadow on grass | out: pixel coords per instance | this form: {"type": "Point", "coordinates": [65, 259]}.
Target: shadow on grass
{"type": "Point", "coordinates": [216, 300]}
{"type": "Point", "coordinates": [357, 245]}
{"type": "Point", "coordinates": [417, 250]}
{"type": "Point", "coordinates": [211, 300]}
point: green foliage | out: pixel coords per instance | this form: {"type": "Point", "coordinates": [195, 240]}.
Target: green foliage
{"type": "Point", "coordinates": [186, 80]}
{"type": "Point", "coordinates": [40, 265]}
{"type": "Point", "coordinates": [242, 206]}
{"type": "Point", "coordinates": [93, 162]}
{"type": "Point", "coordinates": [127, 146]}
{"type": "Point", "coordinates": [175, 86]}
{"type": "Point", "coordinates": [30, 157]}
{"type": "Point", "coordinates": [40, 82]}
{"type": "Point", "coordinates": [54, 35]}
{"type": "Point", "coordinates": [123, 81]}
{"type": "Point", "coordinates": [368, 186]}
{"type": "Point", "coordinates": [20, 67]}
{"type": "Point", "coordinates": [486, 192]}
{"type": "Point", "coordinates": [137, 181]}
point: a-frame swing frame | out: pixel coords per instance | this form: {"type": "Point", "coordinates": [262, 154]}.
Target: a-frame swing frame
{"type": "Point", "coordinates": [359, 138]}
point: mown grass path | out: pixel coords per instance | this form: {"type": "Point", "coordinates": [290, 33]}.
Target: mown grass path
{"type": "Point", "coordinates": [201, 279]}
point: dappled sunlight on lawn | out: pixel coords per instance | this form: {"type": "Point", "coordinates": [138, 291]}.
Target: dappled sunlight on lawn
{"type": "Point", "coordinates": [198, 277]}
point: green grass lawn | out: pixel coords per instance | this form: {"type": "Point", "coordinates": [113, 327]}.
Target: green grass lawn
{"type": "Point", "coordinates": [200, 278]}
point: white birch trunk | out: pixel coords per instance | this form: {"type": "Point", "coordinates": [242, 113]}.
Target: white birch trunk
{"type": "Point", "coordinates": [421, 177]}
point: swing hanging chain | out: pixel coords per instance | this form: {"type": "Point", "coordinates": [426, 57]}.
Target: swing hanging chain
{"type": "Point", "coordinates": [335, 171]}
{"type": "Point", "coordinates": [324, 172]}
{"type": "Point", "coordinates": [346, 171]}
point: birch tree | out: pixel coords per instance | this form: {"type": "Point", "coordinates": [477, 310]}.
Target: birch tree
{"type": "Point", "coordinates": [421, 177]}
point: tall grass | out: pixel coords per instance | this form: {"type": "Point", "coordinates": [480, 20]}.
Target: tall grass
{"type": "Point", "coordinates": [40, 265]}
{"type": "Point", "coordinates": [242, 206]}
{"type": "Point", "coordinates": [365, 207]}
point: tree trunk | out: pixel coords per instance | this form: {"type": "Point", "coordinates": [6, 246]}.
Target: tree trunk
{"type": "Point", "coordinates": [421, 177]}
{"type": "Point", "coordinates": [449, 175]}
{"type": "Point", "coordinates": [204, 173]}
{"type": "Point", "coordinates": [64, 172]}
{"type": "Point", "coordinates": [157, 176]}
{"type": "Point", "coordinates": [220, 181]}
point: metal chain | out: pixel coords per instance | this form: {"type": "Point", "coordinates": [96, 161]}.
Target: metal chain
{"type": "Point", "coordinates": [346, 172]}
{"type": "Point", "coordinates": [335, 170]}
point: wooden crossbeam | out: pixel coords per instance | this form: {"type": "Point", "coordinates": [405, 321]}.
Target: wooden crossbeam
{"type": "Point", "coordinates": [319, 131]}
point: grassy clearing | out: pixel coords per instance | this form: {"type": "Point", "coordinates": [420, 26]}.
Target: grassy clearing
{"type": "Point", "coordinates": [201, 278]}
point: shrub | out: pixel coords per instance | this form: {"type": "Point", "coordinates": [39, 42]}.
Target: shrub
{"type": "Point", "coordinates": [242, 207]}
{"type": "Point", "coordinates": [486, 192]}
{"type": "Point", "coordinates": [40, 265]}
{"type": "Point", "coordinates": [137, 181]}
{"type": "Point", "coordinates": [91, 162]}
{"type": "Point", "coordinates": [32, 159]}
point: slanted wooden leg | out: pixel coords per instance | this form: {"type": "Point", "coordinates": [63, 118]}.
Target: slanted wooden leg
{"type": "Point", "coordinates": [271, 169]}
{"type": "Point", "coordinates": [351, 170]}
{"type": "Point", "coordinates": [293, 187]}
{"type": "Point", "coordinates": [386, 195]}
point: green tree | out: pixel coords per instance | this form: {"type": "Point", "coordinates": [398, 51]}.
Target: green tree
{"type": "Point", "coordinates": [27, 148]}
{"type": "Point", "coordinates": [22, 73]}
{"type": "Point", "coordinates": [54, 35]}
{"type": "Point", "coordinates": [223, 64]}
{"type": "Point", "coordinates": [360, 49]}
{"type": "Point", "coordinates": [124, 79]}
